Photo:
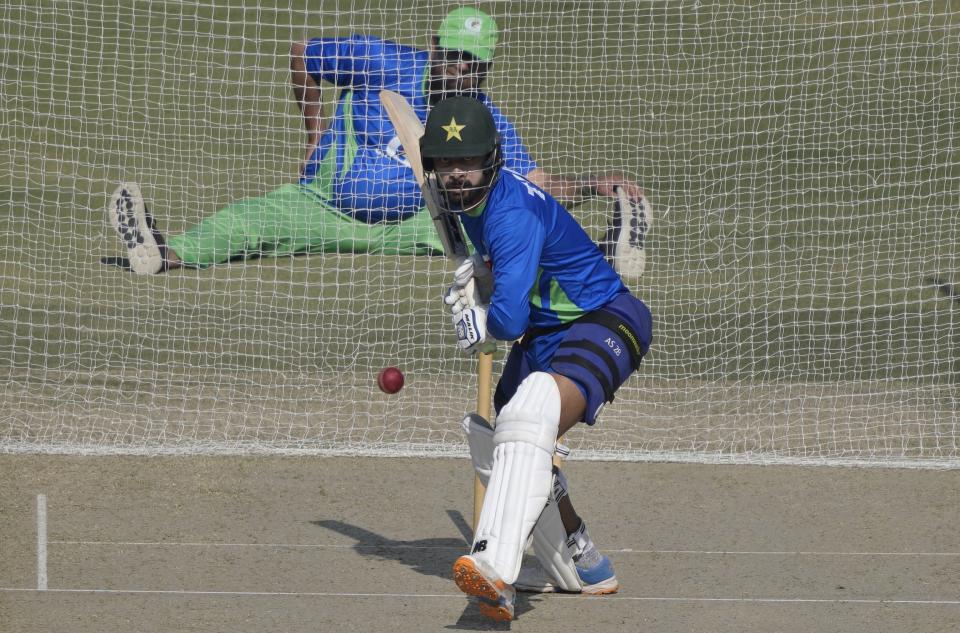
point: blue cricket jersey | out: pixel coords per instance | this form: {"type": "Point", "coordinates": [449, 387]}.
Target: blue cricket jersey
{"type": "Point", "coordinates": [359, 163]}
{"type": "Point", "coordinates": [546, 269]}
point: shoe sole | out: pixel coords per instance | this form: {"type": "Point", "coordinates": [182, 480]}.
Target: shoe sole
{"type": "Point", "coordinates": [604, 588]}
{"type": "Point", "coordinates": [495, 611]}
{"type": "Point", "coordinates": [600, 589]}
{"type": "Point", "coordinates": [473, 582]}
{"type": "Point", "coordinates": [629, 238]}
{"type": "Point", "coordinates": [127, 215]}
{"type": "Point", "coordinates": [544, 587]}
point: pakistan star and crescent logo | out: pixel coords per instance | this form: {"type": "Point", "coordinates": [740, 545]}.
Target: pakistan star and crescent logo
{"type": "Point", "coordinates": [453, 130]}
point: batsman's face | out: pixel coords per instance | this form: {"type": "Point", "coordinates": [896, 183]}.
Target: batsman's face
{"type": "Point", "coordinates": [455, 73]}
{"type": "Point", "coordinates": [464, 179]}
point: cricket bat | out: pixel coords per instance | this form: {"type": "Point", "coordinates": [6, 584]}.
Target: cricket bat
{"type": "Point", "coordinates": [409, 130]}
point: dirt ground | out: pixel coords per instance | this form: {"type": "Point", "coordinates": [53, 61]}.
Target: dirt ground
{"type": "Point", "coordinates": [260, 544]}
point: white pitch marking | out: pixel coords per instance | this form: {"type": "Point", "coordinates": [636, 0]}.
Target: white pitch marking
{"type": "Point", "coordinates": [185, 592]}
{"type": "Point", "coordinates": [783, 600]}
{"type": "Point", "coordinates": [268, 545]}
{"type": "Point", "coordinates": [692, 552]}
{"type": "Point", "coordinates": [41, 542]}
{"type": "Point", "coordinates": [460, 596]}
{"type": "Point", "coordinates": [625, 550]}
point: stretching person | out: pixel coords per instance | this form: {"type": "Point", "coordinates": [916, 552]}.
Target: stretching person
{"type": "Point", "coordinates": [356, 192]}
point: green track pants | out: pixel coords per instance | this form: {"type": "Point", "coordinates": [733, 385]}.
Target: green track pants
{"type": "Point", "coordinates": [293, 220]}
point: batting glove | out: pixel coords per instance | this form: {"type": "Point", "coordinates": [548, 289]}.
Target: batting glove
{"type": "Point", "coordinates": [459, 298]}
{"type": "Point", "coordinates": [475, 269]}
{"type": "Point", "coordinates": [471, 326]}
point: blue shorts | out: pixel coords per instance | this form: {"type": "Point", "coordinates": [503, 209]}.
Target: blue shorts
{"type": "Point", "coordinates": [598, 352]}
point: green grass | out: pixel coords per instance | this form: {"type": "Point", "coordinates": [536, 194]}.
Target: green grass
{"type": "Point", "coordinates": [801, 161]}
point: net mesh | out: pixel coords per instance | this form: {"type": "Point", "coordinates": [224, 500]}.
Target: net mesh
{"type": "Point", "coordinates": [800, 158]}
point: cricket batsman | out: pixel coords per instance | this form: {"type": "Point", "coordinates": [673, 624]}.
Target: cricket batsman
{"type": "Point", "coordinates": [536, 276]}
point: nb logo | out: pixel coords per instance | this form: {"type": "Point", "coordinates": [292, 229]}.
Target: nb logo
{"type": "Point", "coordinates": [479, 546]}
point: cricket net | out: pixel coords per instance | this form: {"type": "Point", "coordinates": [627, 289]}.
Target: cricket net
{"type": "Point", "coordinates": [800, 158]}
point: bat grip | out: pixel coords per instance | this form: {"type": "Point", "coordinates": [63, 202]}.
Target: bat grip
{"type": "Point", "coordinates": [484, 373]}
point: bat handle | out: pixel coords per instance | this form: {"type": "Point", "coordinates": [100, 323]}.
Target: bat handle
{"type": "Point", "coordinates": [484, 374]}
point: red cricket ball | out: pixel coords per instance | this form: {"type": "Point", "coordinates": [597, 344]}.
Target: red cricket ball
{"type": "Point", "coordinates": [390, 380]}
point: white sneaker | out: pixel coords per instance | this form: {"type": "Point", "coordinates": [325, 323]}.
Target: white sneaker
{"type": "Point", "coordinates": [624, 243]}
{"type": "Point", "coordinates": [595, 572]}
{"type": "Point", "coordinates": [128, 216]}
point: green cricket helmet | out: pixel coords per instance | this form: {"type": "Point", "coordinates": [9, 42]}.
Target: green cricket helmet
{"type": "Point", "coordinates": [461, 127]}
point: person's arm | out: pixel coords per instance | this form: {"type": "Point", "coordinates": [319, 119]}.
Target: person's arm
{"type": "Point", "coordinates": [567, 189]}
{"type": "Point", "coordinates": [516, 240]}
{"type": "Point", "coordinates": [306, 92]}
{"type": "Point", "coordinates": [574, 191]}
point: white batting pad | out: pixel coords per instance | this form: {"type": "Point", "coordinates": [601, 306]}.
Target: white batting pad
{"type": "Point", "coordinates": [479, 434]}
{"type": "Point", "coordinates": [522, 474]}
{"type": "Point", "coordinates": [549, 534]}
{"type": "Point", "coordinates": [480, 440]}
{"type": "Point", "coordinates": [533, 414]}
{"type": "Point", "coordinates": [550, 540]}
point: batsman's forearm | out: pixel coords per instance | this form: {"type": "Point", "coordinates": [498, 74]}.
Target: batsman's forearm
{"type": "Point", "coordinates": [508, 314]}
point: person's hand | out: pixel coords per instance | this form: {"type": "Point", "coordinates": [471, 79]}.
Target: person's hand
{"type": "Point", "coordinates": [311, 148]}
{"type": "Point", "coordinates": [606, 185]}
{"type": "Point", "coordinates": [471, 327]}
{"type": "Point", "coordinates": [459, 298]}
{"type": "Point", "coordinates": [468, 307]}
{"type": "Point", "coordinates": [475, 269]}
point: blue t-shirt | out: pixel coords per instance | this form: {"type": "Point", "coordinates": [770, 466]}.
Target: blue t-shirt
{"type": "Point", "coordinates": [359, 163]}
{"type": "Point", "coordinates": [546, 269]}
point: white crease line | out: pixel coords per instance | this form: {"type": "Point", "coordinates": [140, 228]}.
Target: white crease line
{"type": "Point", "coordinates": [625, 550]}
{"type": "Point", "coordinates": [41, 542]}
{"type": "Point", "coordinates": [266, 545]}
{"type": "Point", "coordinates": [774, 553]}
{"type": "Point", "coordinates": [868, 601]}
{"type": "Point", "coordinates": [182, 592]}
